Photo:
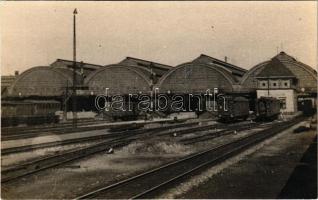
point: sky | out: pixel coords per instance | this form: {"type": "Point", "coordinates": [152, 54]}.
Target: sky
{"type": "Point", "coordinates": [37, 33]}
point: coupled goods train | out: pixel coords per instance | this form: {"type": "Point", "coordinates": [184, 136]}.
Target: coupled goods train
{"type": "Point", "coordinates": [29, 112]}
{"type": "Point", "coordinates": [232, 108]}
{"type": "Point", "coordinates": [137, 109]}
{"type": "Point", "coordinates": [229, 108]}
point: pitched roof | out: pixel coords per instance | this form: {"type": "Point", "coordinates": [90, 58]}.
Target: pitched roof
{"type": "Point", "coordinates": [275, 68]}
{"type": "Point", "coordinates": [227, 66]}
{"type": "Point", "coordinates": [282, 56]}
{"type": "Point", "coordinates": [67, 64]}
{"type": "Point", "coordinates": [157, 68]}
{"type": "Point", "coordinates": [83, 64]}
{"type": "Point", "coordinates": [285, 58]}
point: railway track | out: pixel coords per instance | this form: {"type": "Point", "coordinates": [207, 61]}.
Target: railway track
{"type": "Point", "coordinates": [48, 126]}
{"type": "Point", "coordinates": [18, 171]}
{"type": "Point", "coordinates": [233, 129]}
{"type": "Point", "coordinates": [14, 133]}
{"type": "Point", "coordinates": [29, 133]}
{"type": "Point", "coordinates": [32, 167]}
{"type": "Point", "coordinates": [101, 137]}
{"type": "Point", "coordinates": [151, 183]}
{"type": "Point", "coordinates": [22, 170]}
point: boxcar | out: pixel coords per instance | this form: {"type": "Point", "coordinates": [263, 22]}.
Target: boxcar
{"type": "Point", "coordinates": [267, 108]}
{"type": "Point", "coordinates": [30, 112]}
{"type": "Point", "coordinates": [232, 108]}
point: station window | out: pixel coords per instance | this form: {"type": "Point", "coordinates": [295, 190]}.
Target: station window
{"type": "Point", "coordinates": [263, 84]}
{"type": "Point", "coordinates": [286, 84]}
{"type": "Point", "coordinates": [274, 84]}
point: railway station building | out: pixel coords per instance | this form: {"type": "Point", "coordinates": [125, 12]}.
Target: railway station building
{"type": "Point", "coordinates": [282, 77]}
{"type": "Point", "coordinates": [285, 78]}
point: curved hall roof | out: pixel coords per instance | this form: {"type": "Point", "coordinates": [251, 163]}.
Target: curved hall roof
{"type": "Point", "coordinates": [306, 75]}
{"type": "Point", "coordinates": [197, 78]}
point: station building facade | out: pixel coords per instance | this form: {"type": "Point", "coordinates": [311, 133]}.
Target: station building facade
{"type": "Point", "coordinates": [285, 78]}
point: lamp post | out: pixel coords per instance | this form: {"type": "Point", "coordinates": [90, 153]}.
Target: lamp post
{"type": "Point", "coordinates": [74, 71]}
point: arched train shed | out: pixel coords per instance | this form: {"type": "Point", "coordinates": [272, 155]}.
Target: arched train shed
{"type": "Point", "coordinates": [119, 79]}
{"type": "Point", "coordinates": [196, 78]}
{"type": "Point", "coordinates": [305, 75]}
{"type": "Point", "coordinates": [42, 81]}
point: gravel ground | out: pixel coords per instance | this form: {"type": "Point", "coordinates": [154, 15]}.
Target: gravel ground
{"type": "Point", "coordinates": [103, 169]}
{"type": "Point", "coordinates": [260, 173]}
{"type": "Point", "coordinates": [17, 158]}
{"type": "Point", "coordinates": [89, 174]}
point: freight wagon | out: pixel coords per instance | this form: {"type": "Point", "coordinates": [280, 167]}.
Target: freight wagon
{"type": "Point", "coordinates": [232, 108]}
{"type": "Point", "coordinates": [29, 112]}
{"type": "Point", "coordinates": [267, 108]}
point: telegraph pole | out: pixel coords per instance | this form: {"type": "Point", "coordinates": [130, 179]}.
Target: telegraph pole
{"type": "Point", "coordinates": [74, 71]}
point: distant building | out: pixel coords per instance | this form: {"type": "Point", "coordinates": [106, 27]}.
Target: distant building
{"type": "Point", "coordinates": [6, 82]}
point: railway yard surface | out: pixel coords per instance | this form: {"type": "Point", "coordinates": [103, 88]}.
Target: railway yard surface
{"type": "Point", "coordinates": [189, 159]}
{"type": "Point", "coordinates": [268, 172]}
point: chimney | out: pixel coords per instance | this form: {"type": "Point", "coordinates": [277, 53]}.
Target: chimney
{"type": "Point", "coordinates": [225, 59]}
{"type": "Point", "coordinates": [16, 73]}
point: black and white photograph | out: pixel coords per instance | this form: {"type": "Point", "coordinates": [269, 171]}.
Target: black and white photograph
{"type": "Point", "coordinates": [158, 99]}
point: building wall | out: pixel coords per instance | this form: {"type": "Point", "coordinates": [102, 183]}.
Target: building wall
{"type": "Point", "coordinates": [288, 94]}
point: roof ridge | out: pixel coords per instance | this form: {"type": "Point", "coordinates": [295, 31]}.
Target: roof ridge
{"type": "Point", "coordinates": [128, 57]}
{"type": "Point", "coordinates": [281, 70]}
{"type": "Point", "coordinates": [59, 59]}
{"type": "Point", "coordinates": [221, 61]}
